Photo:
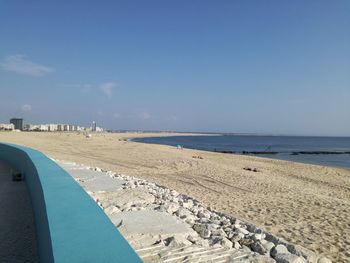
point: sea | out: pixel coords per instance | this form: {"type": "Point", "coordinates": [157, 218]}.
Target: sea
{"type": "Point", "coordinates": [327, 151]}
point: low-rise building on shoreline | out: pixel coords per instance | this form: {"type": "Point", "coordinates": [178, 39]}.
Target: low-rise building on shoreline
{"type": "Point", "coordinates": [7, 126]}
{"type": "Point", "coordinates": [52, 127]}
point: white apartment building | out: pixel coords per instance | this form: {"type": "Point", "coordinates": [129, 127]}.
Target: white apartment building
{"type": "Point", "coordinates": [36, 127]}
{"type": "Point", "coordinates": [7, 127]}
{"type": "Point", "coordinates": [52, 127]}
{"type": "Point", "coordinates": [60, 127]}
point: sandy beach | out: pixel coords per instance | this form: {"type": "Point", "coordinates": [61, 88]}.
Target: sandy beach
{"type": "Point", "coordinates": [305, 204]}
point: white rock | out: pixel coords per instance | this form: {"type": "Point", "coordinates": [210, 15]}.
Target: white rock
{"type": "Point", "coordinates": [188, 204]}
{"type": "Point", "coordinates": [183, 213]}
{"type": "Point", "coordinates": [267, 245]}
{"type": "Point", "coordinates": [226, 222]}
{"type": "Point", "coordinates": [214, 216]}
{"type": "Point", "coordinates": [174, 193]}
{"type": "Point", "coordinates": [172, 208]}
{"type": "Point", "coordinates": [236, 245]}
{"type": "Point", "coordinates": [258, 237]}
{"type": "Point", "coordinates": [279, 249]}
{"type": "Point", "coordinates": [213, 227]}
{"type": "Point", "coordinates": [237, 236]}
{"type": "Point", "coordinates": [216, 222]}
{"type": "Point", "coordinates": [194, 210]}
{"type": "Point", "coordinates": [226, 243]}
{"type": "Point", "coordinates": [204, 214]}
{"type": "Point", "coordinates": [202, 230]}
{"type": "Point", "coordinates": [204, 220]}
{"type": "Point", "coordinates": [175, 200]}
{"type": "Point", "coordinates": [191, 220]}
{"type": "Point", "coordinates": [242, 230]}
{"type": "Point", "coordinates": [198, 227]}
{"type": "Point", "coordinates": [200, 208]}
{"type": "Point", "coordinates": [218, 232]}
{"type": "Point", "coordinates": [246, 249]}
{"type": "Point", "coordinates": [238, 223]}
{"type": "Point", "coordinates": [205, 233]}
{"type": "Point", "coordinates": [230, 234]}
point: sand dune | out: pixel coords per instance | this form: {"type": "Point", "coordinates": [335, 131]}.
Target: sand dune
{"type": "Point", "coordinates": [305, 204]}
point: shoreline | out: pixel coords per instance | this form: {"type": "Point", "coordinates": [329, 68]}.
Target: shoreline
{"type": "Point", "coordinates": [303, 203]}
{"type": "Point", "coordinates": [261, 154]}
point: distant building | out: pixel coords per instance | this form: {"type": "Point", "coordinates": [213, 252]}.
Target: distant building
{"type": "Point", "coordinates": [52, 127]}
{"type": "Point", "coordinates": [72, 127]}
{"type": "Point", "coordinates": [29, 127]}
{"type": "Point", "coordinates": [18, 123]}
{"type": "Point", "coordinates": [43, 127]}
{"type": "Point", "coordinates": [6, 127]}
{"type": "Point", "coordinates": [36, 127]}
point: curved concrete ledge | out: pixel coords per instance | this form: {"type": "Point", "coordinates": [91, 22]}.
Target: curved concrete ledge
{"type": "Point", "coordinates": [70, 226]}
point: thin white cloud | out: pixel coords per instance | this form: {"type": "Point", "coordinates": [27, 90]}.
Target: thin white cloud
{"type": "Point", "coordinates": [19, 64]}
{"type": "Point", "coordinates": [107, 88]}
{"type": "Point", "coordinates": [26, 107]}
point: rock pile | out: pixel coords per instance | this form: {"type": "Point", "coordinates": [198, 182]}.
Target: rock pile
{"type": "Point", "coordinates": [214, 229]}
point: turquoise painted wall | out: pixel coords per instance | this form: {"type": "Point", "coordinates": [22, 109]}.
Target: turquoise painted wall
{"type": "Point", "coordinates": [70, 226]}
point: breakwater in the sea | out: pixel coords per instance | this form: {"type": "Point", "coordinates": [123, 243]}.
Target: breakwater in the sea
{"type": "Point", "coordinates": [329, 151]}
{"type": "Point", "coordinates": [291, 153]}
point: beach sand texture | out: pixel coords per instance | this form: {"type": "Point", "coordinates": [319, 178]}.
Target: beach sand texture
{"type": "Point", "coordinates": [308, 205]}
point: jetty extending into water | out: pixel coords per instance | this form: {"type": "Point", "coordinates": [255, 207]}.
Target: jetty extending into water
{"type": "Point", "coordinates": [282, 152]}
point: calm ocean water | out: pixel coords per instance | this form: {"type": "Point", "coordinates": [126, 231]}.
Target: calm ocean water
{"type": "Point", "coordinates": [283, 146]}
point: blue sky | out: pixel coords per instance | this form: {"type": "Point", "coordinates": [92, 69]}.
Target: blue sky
{"type": "Point", "coordinates": [277, 67]}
